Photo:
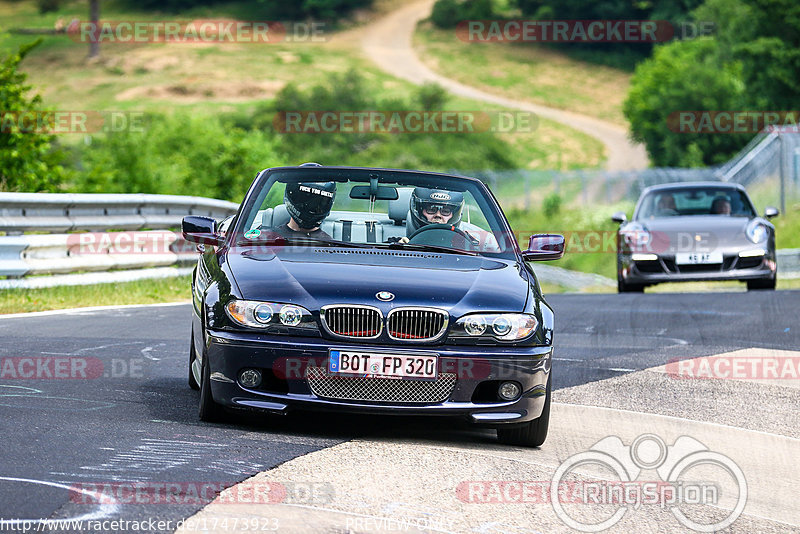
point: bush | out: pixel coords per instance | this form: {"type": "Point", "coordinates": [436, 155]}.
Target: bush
{"type": "Point", "coordinates": [179, 155]}
{"type": "Point", "coordinates": [445, 13]}
{"type": "Point", "coordinates": [448, 13]}
{"type": "Point", "coordinates": [29, 160]}
{"type": "Point", "coordinates": [432, 96]}
{"type": "Point", "coordinates": [351, 92]}
{"type": "Point", "coordinates": [45, 6]}
{"type": "Point", "coordinates": [552, 205]}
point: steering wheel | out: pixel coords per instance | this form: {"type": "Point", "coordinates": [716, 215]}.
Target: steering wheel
{"type": "Point", "coordinates": [443, 227]}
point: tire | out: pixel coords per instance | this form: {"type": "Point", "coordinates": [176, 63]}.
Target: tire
{"type": "Point", "coordinates": [532, 433]}
{"type": "Point", "coordinates": [192, 357]}
{"type": "Point", "coordinates": [209, 411]}
{"type": "Point", "coordinates": [622, 287]}
{"type": "Point", "coordinates": [764, 283]}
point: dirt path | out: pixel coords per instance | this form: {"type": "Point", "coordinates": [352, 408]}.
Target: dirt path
{"type": "Point", "coordinates": [387, 42]}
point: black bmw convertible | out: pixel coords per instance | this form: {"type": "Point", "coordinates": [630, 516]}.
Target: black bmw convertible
{"type": "Point", "coordinates": [372, 291]}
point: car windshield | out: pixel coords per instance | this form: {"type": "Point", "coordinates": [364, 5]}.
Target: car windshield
{"type": "Point", "coordinates": [372, 209]}
{"type": "Point", "coordinates": [673, 202]}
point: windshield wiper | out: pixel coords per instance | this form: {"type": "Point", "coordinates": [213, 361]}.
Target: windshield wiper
{"type": "Point", "coordinates": [291, 241]}
{"type": "Point", "coordinates": [430, 248]}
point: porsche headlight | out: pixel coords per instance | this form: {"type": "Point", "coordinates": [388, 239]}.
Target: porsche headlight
{"type": "Point", "coordinates": [756, 231]}
{"type": "Point", "coordinates": [637, 238]}
{"type": "Point", "coordinates": [269, 315]}
{"type": "Point", "coordinates": [502, 326]}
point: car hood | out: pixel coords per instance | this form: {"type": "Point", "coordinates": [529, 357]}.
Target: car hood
{"type": "Point", "coordinates": [707, 232]}
{"type": "Point", "coordinates": [318, 277]}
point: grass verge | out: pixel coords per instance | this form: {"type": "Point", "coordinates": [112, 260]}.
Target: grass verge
{"type": "Point", "coordinates": [154, 291]}
{"type": "Point", "coordinates": [526, 72]}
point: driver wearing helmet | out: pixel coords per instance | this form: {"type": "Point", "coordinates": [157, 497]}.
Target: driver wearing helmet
{"type": "Point", "coordinates": [308, 204]}
{"type": "Point", "coordinates": [434, 206]}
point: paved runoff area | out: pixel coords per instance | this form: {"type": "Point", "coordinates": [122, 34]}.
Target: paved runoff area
{"type": "Point", "coordinates": [746, 425]}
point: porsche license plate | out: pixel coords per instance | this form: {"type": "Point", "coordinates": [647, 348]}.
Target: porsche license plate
{"type": "Point", "coordinates": [382, 364]}
{"type": "Point", "coordinates": [696, 258]}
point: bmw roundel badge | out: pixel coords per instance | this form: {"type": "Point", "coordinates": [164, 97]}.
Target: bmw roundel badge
{"type": "Point", "coordinates": [385, 296]}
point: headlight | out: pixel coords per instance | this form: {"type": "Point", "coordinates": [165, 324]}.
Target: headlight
{"type": "Point", "coordinates": [637, 238]}
{"type": "Point", "coordinates": [502, 326]}
{"type": "Point", "coordinates": [269, 315]}
{"type": "Point", "coordinates": [756, 231]}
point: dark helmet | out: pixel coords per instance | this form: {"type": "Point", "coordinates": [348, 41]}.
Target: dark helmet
{"type": "Point", "coordinates": [309, 203]}
{"type": "Point", "coordinates": [426, 198]}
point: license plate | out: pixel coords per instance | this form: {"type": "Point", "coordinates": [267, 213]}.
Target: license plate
{"type": "Point", "coordinates": [693, 258]}
{"type": "Point", "coordinates": [380, 364]}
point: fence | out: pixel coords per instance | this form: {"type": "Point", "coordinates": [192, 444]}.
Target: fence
{"type": "Point", "coordinates": [67, 233]}
{"type": "Point", "coordinates": [769, 166]}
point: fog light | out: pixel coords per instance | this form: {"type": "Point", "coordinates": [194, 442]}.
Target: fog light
{"type": "Point", "coordinates": [509, 390]}
{"type": "Point", "coordinates": [250, 378]}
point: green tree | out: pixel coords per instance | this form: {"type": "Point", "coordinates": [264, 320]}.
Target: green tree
{"type": "Point", "coordinates": [684, 76]}
{"type": "Point", "coordinates": [765, 36]}
{"type": "Point", "coordinates": [28, 159]}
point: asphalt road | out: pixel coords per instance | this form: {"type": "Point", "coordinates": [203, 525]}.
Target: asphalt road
{"type": "Point", "coordinates": [133, 417]}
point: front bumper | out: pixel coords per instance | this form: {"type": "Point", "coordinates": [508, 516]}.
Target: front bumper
{"type": "Point", "coordinates": [665, 269]}
{"type": "Point", "coordinates": [284, 361]}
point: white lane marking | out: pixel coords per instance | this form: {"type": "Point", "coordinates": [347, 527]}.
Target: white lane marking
{"type": "Point", "coordinates": [89, 309]}
{"type": "Point", "coordinates": [104, 509]}
{"type": "Point", "coordinates": [15, 394]}
{"type": "Point", "coordinates": [146, 353]}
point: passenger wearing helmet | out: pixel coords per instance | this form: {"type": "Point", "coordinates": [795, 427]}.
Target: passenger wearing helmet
{"type": "Point", "coordinates": [434, 206]}
{"type": "Point", "coordinates": [308, 204]}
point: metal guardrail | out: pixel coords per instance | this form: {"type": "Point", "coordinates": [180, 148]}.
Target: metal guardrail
{"type": "Point", "coordinates": [66, 212]}
{"type": "Point", "coordinates": [106, 232]}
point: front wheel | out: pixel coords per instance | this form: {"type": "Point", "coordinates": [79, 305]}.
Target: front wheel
{"type": "Point", "coordinates": [192, 357]}
{"type": "Point", "coordinates": [764, 283]}
{"type": "Point", "coordinates": [532, 433]}
{"type": "Point", "coordinates": [623, 287]}
{"type": "Point", "coordinates": [209, 411]}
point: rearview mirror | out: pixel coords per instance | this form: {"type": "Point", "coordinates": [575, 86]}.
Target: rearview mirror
{"type": "Point", "coordinates": [201, 230]}
{"type": "Point", "coordinates": [544, 247]}
{"type": "Point", "coordinates": [771, 212]}
{"type": "Point", "coordinates": [384, 192]}
{"type": "Point", "coordinates": [619, 217]}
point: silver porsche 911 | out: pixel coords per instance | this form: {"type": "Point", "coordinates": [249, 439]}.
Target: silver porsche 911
{"type": "Point", "coordinates": [695, 231]}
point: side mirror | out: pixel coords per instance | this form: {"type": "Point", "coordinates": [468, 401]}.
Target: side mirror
{"type": "Point", "coordinates": [771, 212]}
{"type": "Point", "coordinates": [619, 217]}
{"type": "Point", "coordinates": [202, 230]}
{"type": "Point", "coordinates": [544, 247]}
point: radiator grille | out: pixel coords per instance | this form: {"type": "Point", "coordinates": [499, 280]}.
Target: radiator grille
{"type": "Point", "coordinates": [353, 321]}
{"type": "Point", "coordinates": [379, 389]}
{"type": "Point", "coordinates": [416, 324]}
